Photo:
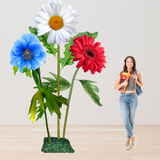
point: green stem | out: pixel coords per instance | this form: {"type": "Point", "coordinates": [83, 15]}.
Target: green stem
{"type": "Point", "coordinates": [58, 87]}
{"type": "Point", "coordinates": [69, 98]}
{"type": "Point", "coordinates": [49, 138]}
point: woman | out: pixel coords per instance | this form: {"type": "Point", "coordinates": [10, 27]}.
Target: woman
{"type": "Point", "coordinates": [129, 99]}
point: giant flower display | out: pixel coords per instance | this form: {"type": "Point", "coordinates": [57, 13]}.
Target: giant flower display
{"type": "Point", "coordinates": [56, 20]}
{"type": "Point", "coordinates": [27, 52]}
{"type": "Point", "coordinates": [90, 56]}
{"type": "Point", "coordinates": [53, 25]}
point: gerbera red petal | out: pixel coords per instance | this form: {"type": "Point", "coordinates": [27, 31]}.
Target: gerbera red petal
{"type": "Point", "coordinates": [86, 39]}
{"type": "Point", "coordinates": [81, 61]}
{"type": "Point", "coordinates": [100, 50]}
{"type": "Point", "coordinates": [75, 53]}
{"type": "Point", "coordinates": [74, 48]}
{"type": "Point", "coordinates": [95, 66]}
{"type": "Point", "coordinates": [75, 59]}
{"type": "Point", "coordinates": [99, 70]}
{"type": "Point", "coordinates": [93, 71]}
{"type": "Point", "coordinates": [78, 56]}
{"type": "Point", "coordinates": [96, 45]}
{"type": "Point", "coordinates": [85, 67]}
{"type": "Point", "coordinates": [91, 40]}
{"type": "Point", "coordinates": [91, 66]}
{"type": "Point", "coordinates": [83, 41]}
{"type": "Point", "coordinates": [76, 41]}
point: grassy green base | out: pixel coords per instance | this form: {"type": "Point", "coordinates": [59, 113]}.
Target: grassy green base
{"type": "Point", "coordinates": [57, 146]}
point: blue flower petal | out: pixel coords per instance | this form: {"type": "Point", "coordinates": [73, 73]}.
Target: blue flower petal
{"type": "Point", "coordinates": [35, 64]}
{"type": "Point", "coordinates": [15, 61]}
{"type": "Point", "coordinates": [12, 53]}
{"type": "Point", "coordinates": [18, 50]}
{"type": "Point", "coordinates": [29, 38]}
{"type": "Point", "coordinates": [41, 58]}
{"type": "Point", "coordinates": [24, 63]}
{"type": "Point", "coordinates": [36, 48]}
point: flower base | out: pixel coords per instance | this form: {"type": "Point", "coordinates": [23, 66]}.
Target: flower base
{"type": "Point", "coordinates": [57, 146]}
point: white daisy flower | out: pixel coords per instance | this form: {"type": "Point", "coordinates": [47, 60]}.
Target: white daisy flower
{"type": "Point", "coordinates": [56, 20]}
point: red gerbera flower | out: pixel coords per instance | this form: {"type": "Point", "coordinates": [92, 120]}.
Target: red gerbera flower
{"type": "Point", "coordinates": [91, 56]}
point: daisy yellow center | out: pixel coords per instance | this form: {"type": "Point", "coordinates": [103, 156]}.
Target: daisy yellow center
{"type": "Point", "coordinates": [56, 22]}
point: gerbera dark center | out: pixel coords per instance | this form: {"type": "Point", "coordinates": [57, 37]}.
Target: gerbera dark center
{"type": "Point", "coordinates": [90, 53]}
{"type": "Point", "coordinates": [27, 54]}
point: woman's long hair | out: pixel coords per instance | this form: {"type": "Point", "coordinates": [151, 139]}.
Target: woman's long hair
{"type": "Point", "coordinates": [134, 64]}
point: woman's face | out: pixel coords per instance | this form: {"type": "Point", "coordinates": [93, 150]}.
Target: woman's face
{"type": "Point", "coordinates": [129, 63]}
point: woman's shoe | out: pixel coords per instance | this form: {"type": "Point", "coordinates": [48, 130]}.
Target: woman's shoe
{"type": "Point", "coordinates": [127, 146]}
{"type": "Point", "coordinates": [133, 143]}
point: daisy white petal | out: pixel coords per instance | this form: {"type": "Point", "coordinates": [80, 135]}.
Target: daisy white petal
{"type": "Point", "coordinates": [71, 29]}
{"type": "Point", "coordinates": [40, 25]}
{"type": "Point", "coordinates": [40, 19]}
{"type": "Point", "coordinates": [44, 15]}
{"type": "Point", "coordinates": [61, 35]}
{"type": "Point", "coordinates": [68, 13]}
{"type": "Point", "coordinates": [51, 37]}
{"type": "Point", "coordinates": [41, 10]}
{"type": "Point", "coordinates": [54, 5]}
{"type": "Point", "coordinates": [59, 7]}
{"type": "Point", "coordinates": [67, 34]}
{"type": "Point", "coordinates": [63, 10]}
{"type": "Point", "coordinates": [58, 40]}
{"type": "Point", "coordinates": [63, 31]}
{"type": "Point", "coordinates": [50, 3]}
{"type": "Point", "coordinates": [44, 30]}
{"type": "Point", "coordinates": [70, 23]}
{"type": "Point", "coordinates": [49, 10]}
{"type": "Point", "coordinates": [44, 9]}
{"type": "Point", "coordinates": [66, 40]}
{"type": "Point", "coordinates": [69, 19]}
{"type": "Point", "coordinates": [35, 21]}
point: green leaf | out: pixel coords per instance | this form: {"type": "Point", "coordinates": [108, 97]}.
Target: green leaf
{"type": "Point", "coordinates": [61, 99]}
{"type": "Point", "coordinates": [15, 68]}
{"type": "Point", "coordinates": [36, 79]}
{"type": "Point", "coordinates": [93, 87]}
{"type": "Point", "coordinates": [24, 69]}
{"type": "Point", "coordinates": [52, 103]}
{"type": "Point", "coordinates": [50, 79]}
{"type": "Point", "coordinates": [37, 98]}
{"type": "Point", "coordinates": [67, 60]}
{"type": "Point", "coordinates": [28, 73]}
{"type": "Point", "coordinates": [64, 84]}
{"type": "Point", "coordinates": [49, 105]}
{"type": "Point", "coordinates": [50, 47]}
{"type": "Point", "coordinates": [90, 90]}
{"type": "Point", "coordinates": [40, 111]}
{"type": "Point", "coordinates": [32, 109]}
{"type": "Point", "coordinates": [41, 99]}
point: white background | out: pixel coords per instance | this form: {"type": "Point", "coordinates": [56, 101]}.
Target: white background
{"type": "Point", "coordinates": [125, 28]}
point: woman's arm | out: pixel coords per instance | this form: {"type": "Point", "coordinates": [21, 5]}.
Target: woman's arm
{"type": "Point", "coordinates": [117, 85]}
{"type": "Point", "coordinates": [139, 79]}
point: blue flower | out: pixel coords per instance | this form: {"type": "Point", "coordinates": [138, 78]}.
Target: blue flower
{"type": "Point", "coordinates": [27, 52]}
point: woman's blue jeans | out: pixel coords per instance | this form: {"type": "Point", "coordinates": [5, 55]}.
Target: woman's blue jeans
{"type": "Point", "coordinates": [128, 106]}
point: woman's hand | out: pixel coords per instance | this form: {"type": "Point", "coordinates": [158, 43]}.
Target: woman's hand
{"type": "Point", "coordinates": [125, 83]}
{"type": "Point", "coordinates": [135, 77]}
